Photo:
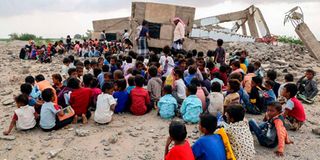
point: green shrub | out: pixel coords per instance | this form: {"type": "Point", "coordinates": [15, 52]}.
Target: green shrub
{"type": "Point", "coordinates": [290, 40]}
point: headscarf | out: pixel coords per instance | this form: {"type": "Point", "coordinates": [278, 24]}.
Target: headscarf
{"type": "Point", "coordinates": [179, 19]}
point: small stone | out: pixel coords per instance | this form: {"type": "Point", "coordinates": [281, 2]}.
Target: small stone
{"type": "Point", "coordinates": [8, 147]}
{"type": "Point", "coordinates": [134, 134]}
{"type": "Point", "coordinates": [30, 149]}
{"type": "Point", "coordinates": [81, 132]}
{"type": "Point", "coordinates": [107, 149]}
{"type": "Point", "coordinates": [113, 139]}
{"type": "Point", "coordinates": [7, 101]}
{"type": "Point", "coordinates": [105, 142]}
{"type": "Point", "coordinates": [70, 129]}
{"type": "Point", "coordinates": [6, 92]}
{"type": "Point", "coordinates": [316, 131]}
{"type": "Point", "coordinates": [54, 153]}
{"type": "Point", "coordinates": [7, 138]}
{"type": "Point", "coordinates": [151, 131]}
{"type": "Point", "coordinates": [140, 128]}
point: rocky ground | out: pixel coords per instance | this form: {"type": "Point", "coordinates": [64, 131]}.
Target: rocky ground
{"type": "Point", "coordinates": [130, 137]}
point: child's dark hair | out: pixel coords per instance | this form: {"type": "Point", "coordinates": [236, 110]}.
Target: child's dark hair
{"type": "Point", "coordinates": [178, 72]}
{"type": "Point", "coordinates": [107, 86]}
{"type": "Point", "coordinates": [200, 54]}
{"type": "Point", "coordinates": [26, 88]}
{"type": "Point", "coordinates": [236, 64]}
{"type": "Point", "coordinates": [153, 71]}
{"type": "Point", "coordinates": [196, 82]}
{"type": "Point", "coordinates": [71, 58]}
{"type": "Point", "coordinates": [223, 68]}
{"type": "Point", "coordinates": [216, 75]}
{"type": "Point", "coordinates": [276, 105]}
{"type": "Point", "coordinates": [234, 85]}
{"type": "Point", "coordinates": [258, 80]}
{"type": "Point", "coordinates": [122, 84]}
{"type": "Point", "coordinates": [192, 89]}
{"type": "Point", "coordinates": [140, 58]}
{"type": "Point", "coordinates": [94, 83]}
{"type": "Point", "coordinates": [270, 83]}
{"type": "Point", "coordinates": [57, 77]}
{"type": "Point", "coordinates": [129, 59]}
{"type": "Point", "coordinates": [105, 68]}
{"type": "Point", "coordinates": [311, 71]}
{"type": "Point", "coordinates": [22, 99]}
{"type": "Point", "coordinates": [242, 59]}
{"type": "Point", "coordinates": [131, 81]}
{"type": "Point", "coordinates": [250, 68]}
{"type": "Point", "coordinates": [71, 70]}
{"type": "Point", "coordinates": [258, 64]}
{"type": "Point", "coordinates": [39, 78]}
{"type": "Point", "coordinates": [236, 112]}
{"type": "Point", "coordinates": [139, 80]}
{"type": "Point", "coordinates": [236, 75]}
{"type": "Point", "coordinates": [209, 122]}
{"type": "Point", "coordinates": [272, 75]}
{"type": "Point", "coordinates": [86, 62]}
{"type": "Point", "coordinates": [216, 87]}
{"type": "Point", "coordinates": [167, 89]}
{"type": "Point", "coordinates": [292, 89]}
{"type": "Point", "coordinates": [29, 79]}
{"type": "Point", "coordinates": [66, 60]}
{"type": "Point", "coordinates": [289, 77]}
{"type": "Point", "coordinates": [166, 50]}
{"type": "Point", "coordinates": [96, 72]}
{"type": "Point", "coordinates": [178, 131]}
{"type": "Point", "coordinates": [73, 83]}
{"type": "Point", "coordinates": [47, 95]}
{"type": "Point", "coordinates": [220, 42]}
{"type": "Point", "coordinates": [192, 69]}
{"type": "Point", "coordinates": [87, 79]}
{"type": "Point", "coordinates": [210, 53]}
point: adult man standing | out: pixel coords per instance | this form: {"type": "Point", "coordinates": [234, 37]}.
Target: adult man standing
{"type": "Point", "coordinates": [102, 36]}
{"type": "Point", "coordinates": [178, 34]}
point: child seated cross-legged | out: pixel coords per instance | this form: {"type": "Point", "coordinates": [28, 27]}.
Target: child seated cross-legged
{"type": "Point", "coordinates": [215, 99]}
{"type": "Point", "coordinates": [294, 111]}
{"type": "Point", "coordinates": [191, 107]}
{"type": "Point", "coordinates": [233, 96]}
{"type": "Point", "coordinates": [238, 132]}
{"type": "Point", "coordinates": [105, 105]}
{"type": "Point", "coordinates": [154, 86]}
{"type": "Point", "coordinates": [181, 149]}
{"type": "Point", "coordinates": [24, 117]}
{"type": "Point", "coordinates": [269, 93]}
{"type": "Point", "coordinates": [121, 96]}
{"type": "Point", "coordinates": [210, 146]}
{"type": "Point", "coordinates": [140, 100]}
{"type": "Point", "coordinates": [48, 116]}
{"type": "Point", "coordinates": [271, 133]}
{"type": "Point", "coordinates": [167, 104]}
{"type": "Point", "coordinates": [307, 86]}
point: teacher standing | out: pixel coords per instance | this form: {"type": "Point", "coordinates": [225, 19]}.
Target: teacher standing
{"type": "Point", "coordinates": [178, 34]}
{"type": "Point", "coordinates": [142, 40]}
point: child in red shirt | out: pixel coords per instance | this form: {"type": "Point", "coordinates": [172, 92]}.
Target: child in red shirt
{"type": "Point", "coordinates": [294, 111]}
{"type": "Point", "coordinates": [140, 99]}
{"type": "Point", "coordinates": [181, 149]}
{"type": "Point", "coordinates": [80, 99]}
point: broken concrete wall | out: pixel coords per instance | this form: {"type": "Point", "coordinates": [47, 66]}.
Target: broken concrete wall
{"type": "Point", "coordinates": [117, 25]}
{"type": "Point", "coordinates": [200, 44]}
{"type": "Point", "coordinates": [309, 40]}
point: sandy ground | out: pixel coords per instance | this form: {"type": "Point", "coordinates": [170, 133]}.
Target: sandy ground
{"type": "Point", "coordinates": [126, 137]}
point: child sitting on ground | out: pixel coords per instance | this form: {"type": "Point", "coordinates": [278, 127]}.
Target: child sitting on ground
{"type": "Point", "coordinates": [26, 89]}
{"type": "Point", "coordinates": [24, 117]}
{"type": "Point", "coordinates": [154, 86]}
{"type": "Point", "coordinates": [256, 97]}
{"type": "Point", "coordinates": [210, 146]}
{"type": "Point", "coordinates": [215, 100]}
{"type": "Point", "coordinates": [140, 100]}
{"type": "Point", "coordinates": [96, 91]}
{"type": "Point", "coordinates": [57, 83]}
{"type": "Point", "coordinates": [131, 84]}
{"type": "Point", "coordinates": [80, 99]}
{"type": "Point", "coordinates": [167, 104]}
{"type": "Point", "coordinates": [65, 67]}
{"type": "Point", "coordinates": [179, 88]}
{"type": "Point", "coordinates": [202, 93]}
{"type": "Point", "coordinates": [233, 96]}
{"type": "Point", "coordinates": [191, 107]}
{"type": "Point", "coordinates": [239, 134]}
{"type": "Point", "coordinates": [272, 76]}
{"type": "Point", "coordinates": [122, 96]}
{"type": "Point", "coordinates": [35, 93]}
{"type": "Point", "coordinates": [181, 149]}
{"type": "Point", "coordinates": [105, 105]}
{"type": "Point", "coordinates": [49, 113]}
{"type": "Point", "coordinates": [269, 93]}
{"type": "Point", "coordinates": [294, 111]}
{"type": "Point", "coordinates": [307, 86]}
{"type": "Point", "coordinates": [272, 133]}
{"type": "Point", "coordinates": [43, 84]}
{"type": "Point", "coordinates": [288, 78]}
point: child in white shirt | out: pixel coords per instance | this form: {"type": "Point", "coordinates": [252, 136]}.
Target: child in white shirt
{"type": "Point", "coordinates": [24, 117]}
{"type": "Point", "coordinates": [65, 67]}
{"type": "Point", "coordinates": [215, 100]}
{"type": "Point", "coordinates": [105, 105]}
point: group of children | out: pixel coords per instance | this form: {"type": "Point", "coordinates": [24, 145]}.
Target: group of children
{"type": "Point", "coordinates": [198, 88]}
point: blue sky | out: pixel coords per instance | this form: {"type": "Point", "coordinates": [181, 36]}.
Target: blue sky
{"type": "Point", "coordinates": [57, 18]}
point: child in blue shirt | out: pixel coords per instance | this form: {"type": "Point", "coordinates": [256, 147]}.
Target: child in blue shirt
{"type": "Point", "coordinates": [191, 107]}
{"type": "Point", "coordinates": [167, 104]}
{"type": "Point", "coordinates": [270, 96]}
{"type": "Point", "coordinates": [121, 96]}
{"type": "Point", "coordinates": [26, 89]}
{"type": "Point", "coordinates": [210, 146]}
{"type": "Point", "coordinates": [131, 84]}
{"type": "Point", "coordinates": [35, 93]}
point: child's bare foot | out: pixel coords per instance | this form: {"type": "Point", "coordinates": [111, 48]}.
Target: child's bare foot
{"type": "Point", "coordinates": [75, 119]}
{"type": "Point", "coordinates": [84, 119]}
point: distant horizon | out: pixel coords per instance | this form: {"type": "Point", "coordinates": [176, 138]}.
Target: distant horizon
{"type": "Point", "coordinates": [56, 19]}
